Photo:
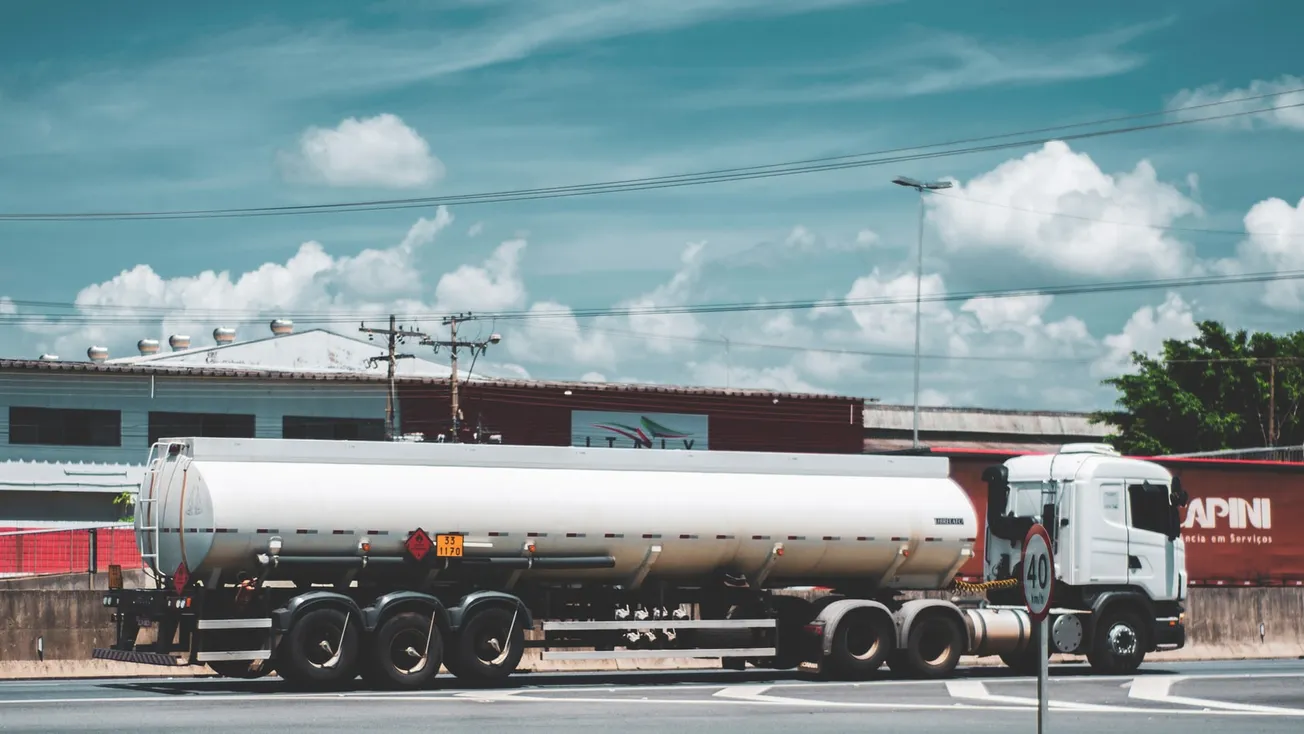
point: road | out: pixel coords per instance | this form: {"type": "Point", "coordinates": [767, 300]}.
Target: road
{"type": "Point", "coordinates": [1264, 696]}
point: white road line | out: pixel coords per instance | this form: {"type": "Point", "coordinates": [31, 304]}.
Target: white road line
{"type": "Point", "coordinates": [1157, 689]}
{"type": "Point", "coordinates": [744, 693]}
{"type": "Point", "coordinates": [977, 690]}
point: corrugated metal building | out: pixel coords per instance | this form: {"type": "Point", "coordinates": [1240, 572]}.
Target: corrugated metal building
{"type": "Point", "coordinates": [889, 427]}
{"type": "Point", "coordinates": [645, 416]}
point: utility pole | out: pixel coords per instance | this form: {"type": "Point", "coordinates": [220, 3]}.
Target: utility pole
{"type": "Point", "coordinates": [393, 337]}
{"type": "Point", "coordinates": [921, 187]}
{"type": "Point", "coordinates": [453, 345]}
{"type": "Point", "coordinates": [1272, 402]}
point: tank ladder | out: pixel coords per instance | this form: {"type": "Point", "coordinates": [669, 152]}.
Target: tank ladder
{"type": "Point", "coordinates": [147, 526]}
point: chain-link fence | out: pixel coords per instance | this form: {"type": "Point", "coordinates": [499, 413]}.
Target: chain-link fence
{"type": "Point", "coordinates": [1260, 453]}
{"type": "Point", "coordinates": [43, 552]}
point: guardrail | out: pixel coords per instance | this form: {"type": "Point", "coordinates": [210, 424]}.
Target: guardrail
{"type": "Point", "coordinates": [49, 551]}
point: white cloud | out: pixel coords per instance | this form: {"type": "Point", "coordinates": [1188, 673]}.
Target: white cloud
{"type": "Point", "coordinates": [1275, 245]}
{"type": "Point", "coordinates": [715, 373]}
{"type": "Point", "coordinates": [593, 377]}
{"type": "Point", "coordinates": [7, 307]}
{"type": "Point", "coordinates": [1146, 332]}
{"type": "Point", "coordinates": [376, 151]}
{"type": "Point", "coordinates": [554, 335]}
{"type": "Point", "coordinates": [892, 324]}
{"type": "Point", "coordinates": [1110, 227]}
{"type": "Point", "coordinates": [475, 229]}
{"type": "Point", "coordinates": [867, 238]}
{"type": "Point", "coordinates": [494, 286]}
{"type": "Point", "coordinates": [1278, 112]}
{"type": "Point", "coordinates": [934, 398]}
{"type": "Point", "coordinates": [668, 333]}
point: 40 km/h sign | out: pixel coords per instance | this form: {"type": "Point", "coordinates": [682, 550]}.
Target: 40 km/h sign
{"type": "Point", "coordinates": [1038, 572]}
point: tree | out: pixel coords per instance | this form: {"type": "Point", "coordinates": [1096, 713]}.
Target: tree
{"type": "Point", "coordinates": [1219, 390]}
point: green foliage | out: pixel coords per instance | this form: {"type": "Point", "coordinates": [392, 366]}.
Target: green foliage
{"type": "Point", "coordinates": [126, 500]}
{"type": "Point", "coordinates": [1211, 392]}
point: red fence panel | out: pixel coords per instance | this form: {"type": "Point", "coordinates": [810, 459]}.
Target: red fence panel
{"type": "Point", "coordinates": [39, 552]}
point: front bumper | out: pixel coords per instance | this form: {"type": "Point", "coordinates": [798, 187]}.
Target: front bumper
{"type": "Point", "coordinates": [1169, 633]}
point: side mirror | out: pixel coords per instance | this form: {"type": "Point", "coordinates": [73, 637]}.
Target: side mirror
{"type": "Point", "coordinates": [1179, 496]}
{"type": "Point", "coordinates": [997, 479]}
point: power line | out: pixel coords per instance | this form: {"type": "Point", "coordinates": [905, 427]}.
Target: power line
{"type": "Point", "coordinates": [813, 165]}
{"type": "Point", "coordinates": [709, 308]}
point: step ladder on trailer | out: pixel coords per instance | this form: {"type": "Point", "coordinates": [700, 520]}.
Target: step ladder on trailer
{"type": "Point", "coordinates": [147, 526]}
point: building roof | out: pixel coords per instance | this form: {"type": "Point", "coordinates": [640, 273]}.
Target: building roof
{"type": "Point", "coordinates": [315, 350]}
{"type": "Point", "coordinates": [984, 421]}
{"type": "Point", "coordinates": [216, 369]}
{"type": "Point", "coordinates": [64, 476]}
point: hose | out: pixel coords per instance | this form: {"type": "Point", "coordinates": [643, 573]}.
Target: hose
{"type": "Point", "coordinates": [968, 588]}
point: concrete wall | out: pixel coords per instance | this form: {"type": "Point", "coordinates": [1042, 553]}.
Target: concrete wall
{"type": "Point", "coordinates": [1224, 623]}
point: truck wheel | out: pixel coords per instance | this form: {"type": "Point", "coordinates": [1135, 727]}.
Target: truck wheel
{"type": "Point", "coordinates": [1118, 645]}
{"type": "Point", "coordinates": [320, 650]}
{"type": "Point", "coordinates": [241, 669]}
{"type": "Point", "coordinates": [933, 647]}
{"type": "Point", "coordinates": [405, 652]}
{"type": "Point", "coordinates": [488, 647]}
{"type": "Point", "coordinates": [861, 643]}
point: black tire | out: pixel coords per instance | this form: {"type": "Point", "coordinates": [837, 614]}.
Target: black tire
{"type": "Point", "coordinates": [1118, 645]}
{"type": "Point", "coordinates": [317, 638]}
{"type": "Point", "coordinates": [1025, 661]}
{"type": "Point", "coordinates": [399, 654]}
{"type": "Point", "coordinates": [239, 669]}
{"type": "Point", "coordinates": [862, 642]}
{"type": "Point", "coordinates": [476, 652]}
{"type": "Point", "coordinates": [933, 647]}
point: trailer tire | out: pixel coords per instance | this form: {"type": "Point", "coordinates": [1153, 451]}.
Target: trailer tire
{"type": "Point", "coordinates": [933, 647]}
{"type": "Point", "coordinates": [240, 669]}
{"type": "Point", "coordinates": [391, 646]}
{"type": "Point", "coordinates": [1118, 645]}
{"type": "Point", "coordinates": [861, 643]}
{"type": "Point", "coordinates": [477, 638]}
{"type": "Point", "coordinates": [302, 656]}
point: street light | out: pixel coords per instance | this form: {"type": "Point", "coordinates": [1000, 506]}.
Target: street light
{"type": "Point", "coordinates": [921, 187]}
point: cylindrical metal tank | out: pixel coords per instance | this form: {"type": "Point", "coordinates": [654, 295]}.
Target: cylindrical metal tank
{"type": "Point", "coordinates": [900, 521]}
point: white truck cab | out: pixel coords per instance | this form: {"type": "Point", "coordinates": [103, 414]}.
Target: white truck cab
{"type": "Point", "coordinates": [1120, 562]}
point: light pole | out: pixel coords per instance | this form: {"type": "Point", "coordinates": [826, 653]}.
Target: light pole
{"type": "Point", "coordinates": [921, 187]}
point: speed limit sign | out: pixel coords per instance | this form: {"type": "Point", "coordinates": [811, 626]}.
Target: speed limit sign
{"type": "Point", "coordinates": [1038, 572]}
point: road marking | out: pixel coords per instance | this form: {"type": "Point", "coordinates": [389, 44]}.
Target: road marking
{"type": "Point", "coordinates": [744, 693]}
{"type": "Point", "coordinates": [977, 690]}
{"type": "Point", "coordinates": [1157, 689]}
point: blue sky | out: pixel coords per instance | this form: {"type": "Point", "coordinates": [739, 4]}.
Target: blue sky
{"type": "Point", "coordinates": [155, 106]}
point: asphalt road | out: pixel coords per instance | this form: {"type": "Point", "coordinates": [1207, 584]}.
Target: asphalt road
{"type": "Point", "coordinates": [1164, 699]}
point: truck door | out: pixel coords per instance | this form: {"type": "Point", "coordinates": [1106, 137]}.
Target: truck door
{"type": "Point", "coordinates": [1103, 533]}
{"type": "Point", "coordinates": [1150, 552]}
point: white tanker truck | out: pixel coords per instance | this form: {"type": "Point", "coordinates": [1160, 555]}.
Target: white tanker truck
{"type": "Point", "coordinates": [326, 560]}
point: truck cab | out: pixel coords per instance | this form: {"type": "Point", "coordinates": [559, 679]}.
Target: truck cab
{"type": "Point", "coordinates": [1120, 562]}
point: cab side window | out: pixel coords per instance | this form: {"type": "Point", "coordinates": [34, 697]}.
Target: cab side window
{"type": "Point", "coordinates": [1148, 507]}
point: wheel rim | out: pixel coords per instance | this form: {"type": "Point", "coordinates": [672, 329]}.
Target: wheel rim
{"type": "Point", "coordinates": [935, 644]}
{"type": "Point", "coordinates": [323, 645]}
{"type": "Point", "coordinates": [863, 641]}
{"type": "Point", "coordinates": [491, 646]}
{"type": "Point", "coordinates": [409, 652]}
{"type": "Point", "coordinates": [1122, 640]}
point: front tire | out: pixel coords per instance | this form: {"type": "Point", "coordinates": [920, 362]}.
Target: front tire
{"type": "Point", "coordinates": [1118, 646]}
{"type": "Point", "coordinates": [405, 652]}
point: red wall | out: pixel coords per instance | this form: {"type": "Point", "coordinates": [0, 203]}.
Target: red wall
{"type": "Point", "coordinates": [541, 416]}
{"type": "Point", "coordinates": [1223, 493]}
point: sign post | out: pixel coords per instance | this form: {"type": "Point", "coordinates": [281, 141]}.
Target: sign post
{"type": "Point", "coordinates": [1038, 583]}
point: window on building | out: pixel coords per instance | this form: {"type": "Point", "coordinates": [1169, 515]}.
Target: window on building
{"type": "Point", "coordinates": [333, 429]}
{"type": "Point", "coordinates": [216, 425]}
{"type": "Point", "coordinates": [65, 426]}
{"type": "Point", "coordinates": [1148, 504]}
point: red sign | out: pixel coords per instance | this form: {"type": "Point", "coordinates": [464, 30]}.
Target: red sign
{"type": "Point", "coordinates": [180, 577]}
{"type": "Point", "coordinates": [418, 544]}
{"type": "Point", "coordinates": [1038, 572]}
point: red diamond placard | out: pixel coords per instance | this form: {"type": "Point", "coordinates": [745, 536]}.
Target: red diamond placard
{"type": "Point", "coordinates": [180, 577]}
{"type": "Point", "coordinates": [418, 544]}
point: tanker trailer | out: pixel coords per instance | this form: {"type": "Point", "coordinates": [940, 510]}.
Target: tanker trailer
{"type": "Point", "coordinates": [326, 560]}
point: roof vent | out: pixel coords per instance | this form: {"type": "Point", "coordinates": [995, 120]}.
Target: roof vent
{"type": "Point", "coordinates": [147, 346]}
{"type": "Point", "coordinates": [49, 358]}
{"type": "Point", "coordinates": [98, 354]}
{"type": "Point", "coordinates": [223, 335]}
{"type": "Point", "coordinates": [281, 327]}
{"type": "Point", "coordinates": [1103, 449]}
{"type": "Point", "coordinates": [179, 342]}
